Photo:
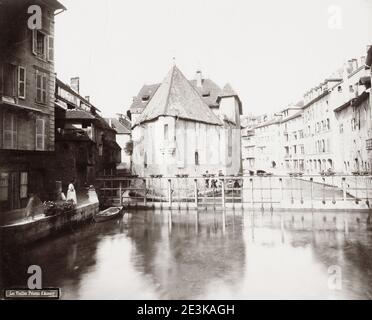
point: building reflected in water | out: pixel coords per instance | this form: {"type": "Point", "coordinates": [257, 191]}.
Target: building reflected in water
{"type": "Point", "coordinates": [205, 255]}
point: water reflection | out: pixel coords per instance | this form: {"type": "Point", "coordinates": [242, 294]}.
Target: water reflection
{"type": "Point", "coordinates": [205, 255]}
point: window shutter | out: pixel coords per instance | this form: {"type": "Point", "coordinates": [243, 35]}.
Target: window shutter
{"type": "Point", "coordinates": [34, 42]}
{"type": "Point", "coordinates": [38, 87]}
{"type": "Point", "coordinates": [40, 134]}
{"type": "Point", "coordinates": [4, 182]}
{"type": "Point", "coordinates": [9, 131]}
{"type": "Point", "coordinates": [23, 187]}
{"type": "Point", "coordinates": [50, 48]}
{"type": "Point", "coordinates": [21, 82]}
{"type": "Point", "coordinates": [7, 139]}
{"type": "Point", "coordinates": [14, 131]}
{"type": "Point", "coordinates": [44, 81]}
{"type": "Point", "coordinates": [45, 48]}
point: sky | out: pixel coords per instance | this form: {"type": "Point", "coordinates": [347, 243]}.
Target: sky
{"type": "Point", "coordinates": [270, 51]}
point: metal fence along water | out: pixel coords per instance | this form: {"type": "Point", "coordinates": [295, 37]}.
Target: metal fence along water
{"type": "Point", "coordinates": [219, 192]}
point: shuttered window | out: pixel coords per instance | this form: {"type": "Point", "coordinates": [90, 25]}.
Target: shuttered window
{"type": "Point", "coordinates": [9, 76]}
{"type": "Point", "coordinates": [50, 48]}
{"type": "Point", "coordinates": [41, 85]}
{"type": "Point", "coordinates": [23, 186]}
{"type": "Point", "coordinates": [21, 82]}
{"type": "Point", "coordinates": [40, 134]}
{"type": "Point", "coordinates": [39, 44]}
{"type": "Point", "coordinates": [10, 131]}
{"type": "Point", "coordinates": [4, 182]}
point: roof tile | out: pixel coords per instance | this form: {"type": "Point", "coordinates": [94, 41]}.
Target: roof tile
{"type": "Point", "coordinates": [177, 97]}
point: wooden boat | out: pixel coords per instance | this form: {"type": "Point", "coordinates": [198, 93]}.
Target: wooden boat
{"type": "Point", "coordinates": [108, 214]}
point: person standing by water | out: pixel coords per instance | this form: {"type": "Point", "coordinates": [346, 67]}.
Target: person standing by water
{"type": "Point", "coordinates": [31, 206]}
{"type": "Point", "coordinates": [206, 180]}
{"type": "Point", "coordinates": [71, 192]}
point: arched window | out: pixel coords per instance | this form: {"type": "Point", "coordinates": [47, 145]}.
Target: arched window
{"type": "Point", "coordinates": [196, 158]}
{"type": "Point", "coordinates": [330, 164]}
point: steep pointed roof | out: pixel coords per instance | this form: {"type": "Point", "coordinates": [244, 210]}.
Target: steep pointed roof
{"type": "Point", "coordinates": [176, 97]}
{"type": "Point", "coordinates": [227, 91]}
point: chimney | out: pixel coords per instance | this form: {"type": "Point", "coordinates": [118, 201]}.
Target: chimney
{"type": "Point", "coordinates": [75, 84]}
{"type": "Point", "coordinates": [87, 98]}
{"type": "Point", "coordinates": [346, 71]}
{"type": "Point", "coordinates": [362, 60]}
{"type": "Point", "coordinates": [355, 64]}
{"type": "Point", "coordinates": [199, 79]}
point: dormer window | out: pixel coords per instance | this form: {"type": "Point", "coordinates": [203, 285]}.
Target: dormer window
{"type": "Point", "coordinates": [145, 98]}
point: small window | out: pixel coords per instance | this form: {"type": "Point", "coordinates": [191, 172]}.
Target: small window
{"type": "Point", "coordinates": [166, 136]}
{"type": "Point", "coordinates": [196, 158]}
{"type": "Point", "coordinates": [23, 185]}
{"type": "Point", "coordinates": [10, 131]}
{"type": "Point", "coordinates": [40, 134]}
{"type": "Point", "coordinates": [339, 88]}
{"type": "Point", "coordinates": [4, 183]}
{"type": "Point", "coordinates": [146, 97]}
{"type": "Point", "coordinates": [145, 160]}
{"type": "Point", "coordinates": [21, 82]}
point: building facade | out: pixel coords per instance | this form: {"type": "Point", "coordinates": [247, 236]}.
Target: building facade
{"type": "Point", "coordinates": [27, 85]}
{"type": "Point", "coordinates": [268, 148]}
{"type": "Point", "coordinates": [319, 127]}
{"type": "Point", "coordinates": [331, 130]}
{"type": "Point", "coordinates": [248, 124]}
{"type": "Point", "coordinates": [368, 81]}
{"type": "Point", "coordinates": [353, 115]}
{"type": "Point", "coordinates": [122, 126]}
{"type": "Point", "coordinates": [186, 127]}
{"type": "Point", "coordinates": [292, 136]}
{"type": "Point", "coordinates": [85, 143]}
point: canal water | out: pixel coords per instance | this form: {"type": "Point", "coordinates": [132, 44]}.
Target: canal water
{"type": "Point", "coordinates": [205, 255]}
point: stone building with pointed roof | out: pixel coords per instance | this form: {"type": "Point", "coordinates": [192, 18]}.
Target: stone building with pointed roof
{"type": "Point", "coordinates": [186, 127]}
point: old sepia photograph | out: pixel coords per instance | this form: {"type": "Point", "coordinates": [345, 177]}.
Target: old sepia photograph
{"type": "Point", "coordinates": [185, 150]}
